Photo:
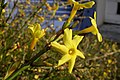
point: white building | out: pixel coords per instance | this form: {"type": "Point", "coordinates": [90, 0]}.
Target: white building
{"type": "Point", "coordinates": [108, 18]}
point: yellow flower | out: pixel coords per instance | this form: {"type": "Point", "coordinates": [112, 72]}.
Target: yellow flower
{"type": "Point", "coordinates": [93, 29]}
{"type": "Point", "coordinates": [69, 49]}
{"type": "Point", "coordinates": [71, 2]}
{"type": "Point", "coordinates": [78, 6]}
{"type": "Point", "coordinates": [37, 33]}
{"type": "Point", "coordinates": [105, 74]}
{"type": "Point", "coordinates": [36, 76]}
{"type": "Point", "coordinates": [3, 10]}
{"type": "Point", "coordinates": [109, 61]}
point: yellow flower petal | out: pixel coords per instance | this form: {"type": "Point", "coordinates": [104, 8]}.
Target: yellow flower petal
{"type": "Point", "coordinates": [68, 34]}
{"type": "Point", "coordinates": [64, 59]}
{"type": "Point", "coordinates": [94, 32]}
{"type": "Point", "coordinates": [31, 27]}
{"type": "Point", "coordinates": [36, 77]}
{"type": "Point", "coordinates": [37, 27]}
{"type": "Point", "coordinates": [74, 11]}
{"type": "Point", "coordinates": [87, 30]}
{"type": "Point", "coordinates": [93, 22]}
{"type": "Point", "coordinates": [87, 4]}
{"type": "Point", "coordinates": [95, 15]}
{"type": "Point", "coordinates": [67, 38]}
{"type": "Point", "coordinates": [80, 54]}
{"type": "Point", "coordinates": [36, 30]}
{"type": "Point", "coordinates": [76, 40]}
{"type": "Point", "coordinates": [42, 33]}
{"type": "Point", "coordinates": [99, 37]}
{"type": "Point", "coordinates": [60, 48]}
{"type": "Point", "coordinates": [3, 10]}
{"type": "Point", "coordinates": [71, 63]}
{"type": "Point", "coordinates": [72, 14]}
{"type": "Point", "coordinates": [71, 2]}
{"type": "Point", "coordinates": [37, 33]}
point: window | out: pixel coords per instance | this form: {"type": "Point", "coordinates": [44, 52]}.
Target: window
{"type": "Point", "coordinates": [118, 8]}
{"type": "Point", "coordinates": [112, 11]}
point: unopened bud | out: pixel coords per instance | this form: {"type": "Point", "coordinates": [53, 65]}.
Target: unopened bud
{"type": "Point", "coordinates": [3, 10]}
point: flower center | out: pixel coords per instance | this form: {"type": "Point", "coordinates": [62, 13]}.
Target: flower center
{"type": "Point", "coordinates": [71, 51]}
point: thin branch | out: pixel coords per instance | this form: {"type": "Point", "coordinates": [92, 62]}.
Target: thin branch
{"type": "Point", "coordinates": [15, 3]}
{"type": "Point", "coordinates": [104, 56]}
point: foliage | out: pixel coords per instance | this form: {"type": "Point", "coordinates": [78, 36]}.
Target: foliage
{"type": "Point", "coordinates": [18, 61]}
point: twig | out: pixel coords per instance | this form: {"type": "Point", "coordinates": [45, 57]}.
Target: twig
{"type": "Point", "coordinates": [28, 64]}
{"type": "Point", "coordinates": [15, 3]}
{"type": "Point", "coordinates": [104, 56]}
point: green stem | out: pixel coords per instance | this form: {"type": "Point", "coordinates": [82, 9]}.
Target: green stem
{"type": "Point", "coordinates": [28, 64]}
{"type": "Point", "coordinates": [45, 49]}
{"type": "Point", "coordinates": [17, 72]}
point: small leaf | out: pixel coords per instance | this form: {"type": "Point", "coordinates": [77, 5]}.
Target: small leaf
{"type": "Point", "coordinates": [12, 69]}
